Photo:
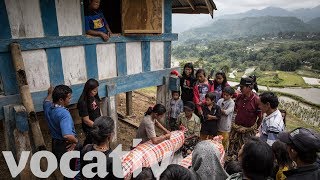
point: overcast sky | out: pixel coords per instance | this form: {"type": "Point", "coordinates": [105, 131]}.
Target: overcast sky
{"type": "Point", "coordinates": [236, 6]}
{"type": "Point", "coordinates": [182, 22]}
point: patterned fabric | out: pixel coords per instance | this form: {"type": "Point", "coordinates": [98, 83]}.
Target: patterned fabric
{"type": "Point", "coordinates": [147, 154]}
{"type": "Point", "coordinates": [217, 142]}
{"type": "Point", "coordinates": [193, 125]}
{"type": "Point", "coordinates": [176, 107]}
{"type": "Point", "coordinates": [237, 137]}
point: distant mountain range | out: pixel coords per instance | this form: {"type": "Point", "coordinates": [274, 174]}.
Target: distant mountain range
{"type": "Point", "coordinates": [305, 14]}
{"type": "Point", "coordinates": [250, 26]}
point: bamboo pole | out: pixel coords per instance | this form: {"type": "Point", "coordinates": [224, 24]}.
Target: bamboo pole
{"type": "Point", "coordinates": [27, 102]}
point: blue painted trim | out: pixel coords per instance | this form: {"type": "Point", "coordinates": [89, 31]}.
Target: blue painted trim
{"type": "Point", "coordinates": [5, 32]}
{"type": "Point", "coordinates": [114, 85]}
{"type": "Point", "coordinates": [8, 74]}
{"type": "Point", "coordinates": [167, 54]}
{"type": "Point", "coordinates": [49, 17]}
{"type": "Point", "coordinates": [167, 16]}
{"type": "Point", "coordinates": [82, 17]}
{"type": "Point", "coordinates": [55, 66]}
{"type": "Point", "coordinates": [121, 59]}
{"type": "Point", "coordinates": [21, 118]}
{"type": "Point", "coordinates": [145, 51]}
{"type": "Point", "coordinates": [65, 41]}
{"type": "Point", "coordinates": [91, 61]}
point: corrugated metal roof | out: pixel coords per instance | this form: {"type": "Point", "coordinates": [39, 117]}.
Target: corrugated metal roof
{"type": "Point", "coordinates": [193, 6]}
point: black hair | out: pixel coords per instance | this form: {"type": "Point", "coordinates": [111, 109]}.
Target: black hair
{"type": "Point", "coordinates": [88, 87]}
{"type": "Point", "coordinates": [60, 92]}
{"type": "Point", "coordinates": [257, 159]}
{"type": "Point", "coordinates": [232, 167]}
{"type": "Point", "coordinates": [188, 65]}
{"type": "Point", "coordinates": [281, 154]}
{"type": "Point", "coordinates": [172, 92]}
{"type": "Point", "coordinates": [158, 108]}
{"type": "Point", "coordinates": [229, 90]}
{"type": "Point", "coordinates": [254, 83]}
{"type": "Point", "coordinates": [308, 157]}
{"type": "Point", "coordinates": [224, 82]}
{"type": "Point", "coordinates": [271, 98]}
{"type": "Point", "coordinates": [211, 96]}
{"type": "Point", "coordinates": [285, 115]}
{"type": "Point", "coordinates": [103, 127]}
{"type": "Point", "coordinates": [199, 71]}
{"type": "Point", "coordinates": [176, 172]}
{"type": "Point", "coordinates": [145, 174]}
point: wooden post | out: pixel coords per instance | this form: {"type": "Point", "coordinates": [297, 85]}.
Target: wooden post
{"type": "Point", "coordinates": [112, 112]}
{"type": "Point", "coordinates": [17, 116]}
{"type": "Point", "coordinates": [27, 102]}
{"type": "Point", "coordinates": [129, 103]}
{"type": "Point", "coordinates": [163, 97]}
{"type": "Point", "coordinates": [104, 106]}
{"type": "Point", "coordinates": [26, 96]}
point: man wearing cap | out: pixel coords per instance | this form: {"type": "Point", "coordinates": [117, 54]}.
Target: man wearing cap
{"type": "Point", "coordinates": [248, 116]}
{"type": "Point", "coordinates": [189, 122]}
{"type": "Point", "coordinates": [302, 146]}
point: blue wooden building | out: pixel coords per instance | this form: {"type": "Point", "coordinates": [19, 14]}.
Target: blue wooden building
{"type": "Point", "coordinates": [55, 49]}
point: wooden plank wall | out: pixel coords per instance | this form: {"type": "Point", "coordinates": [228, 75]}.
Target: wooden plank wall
{"type": "Point", "coordinates": [55, 51]}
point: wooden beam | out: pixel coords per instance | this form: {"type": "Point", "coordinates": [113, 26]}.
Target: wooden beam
{"type": "Point", "coordinates": [112, 112]}
{"type": "Point", "coordinates": [139, 31]}
{"type": "Point", "coordinates": [163, 97]}
{"type": "Point", "coordinates": [210, 8]}
{"type": "Point", "coordinates": [114, 86]}
{"type": "Point", "coordinates": [191, 5]}
{"type": "Point", "coordinates": [129, 103]}
{"type": "Point", "coordinates": [65, 41]}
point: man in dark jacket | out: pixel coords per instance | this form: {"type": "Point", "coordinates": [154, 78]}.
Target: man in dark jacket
{"type": "Point", "coordinates": [302, 146]}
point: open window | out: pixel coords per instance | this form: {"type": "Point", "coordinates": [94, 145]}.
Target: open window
{"type": "Point", "coordinates": [132, 16]}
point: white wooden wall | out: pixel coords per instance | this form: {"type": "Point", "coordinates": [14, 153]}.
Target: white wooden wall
{"type": "Point", "coordinates": [156, 56]}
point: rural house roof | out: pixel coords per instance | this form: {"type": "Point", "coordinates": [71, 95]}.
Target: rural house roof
{"type": "Point", "coordinates": [193, 6]}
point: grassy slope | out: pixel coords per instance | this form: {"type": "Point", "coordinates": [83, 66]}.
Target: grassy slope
{"type": "Point", "coordinates": [293, 122]}
{"type": "Point", "coordinates": [281, 79]}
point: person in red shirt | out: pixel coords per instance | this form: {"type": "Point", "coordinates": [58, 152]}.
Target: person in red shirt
{"type": "Point", "coordinates": [200, 89]}
{"type": "Point", "coordinates": [248, 115]}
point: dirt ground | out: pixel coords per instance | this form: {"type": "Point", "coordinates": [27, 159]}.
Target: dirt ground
{"type": "Point", "coordinates": [125, 132]}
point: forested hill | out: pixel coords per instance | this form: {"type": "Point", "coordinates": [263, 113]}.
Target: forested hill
{"type": "Point", "coordinates": [249, 26]}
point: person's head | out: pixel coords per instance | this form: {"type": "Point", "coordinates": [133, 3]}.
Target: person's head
{"type": "Point", "coordinates": [62, 95]}
{"type": "Point", "coordinates": [188, 70]}
{"type": "Point", "coordinates": [176, 172]}
{"type": "Point", "coordinates": [201, 75]}
{"type": "Point", "coordinates": [256, 159]}
{"type": "Point", "coordinates": [228, 92]}
{"type": "Point", "coordinates": [247, 84]}
{"type": "Point", "coordinates": [210, 98]}
{"type": "Point", "coordinates": [206, 161]}
{"type": "Point", "coordinates": [175, 95]}
{"type": "Point", "coordinates": [284, 115]}
{"type": "Point", "coordinates": [302, 145]}
{"type": "Point", "coordinates": [157, 111]}
{"type": "Point", "coordinates": [94, 4]}
{"type": "Point", "coordinates": [145, 174]}
{"type": "Point", "coordinates": [102, 130]}
{"type": "Point", "coordinates": [221, 78]}
{"type": "Point", "coordinates": [281, 154]}
{"type": "Point", "coordinates": [268, 102]}
{"type": "Point", "coordinates": [188, 108]}
{"type": "Point", "coordinates": [232, 167]}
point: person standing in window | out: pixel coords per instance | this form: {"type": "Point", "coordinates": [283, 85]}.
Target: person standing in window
{"type": "Point", "coordinates": [95, 22]}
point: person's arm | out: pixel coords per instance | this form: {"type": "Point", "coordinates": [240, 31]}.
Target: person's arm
{"type": "Point", "coordinates": [159, 125]}
{"type": "Point", "coordinates": [230, 109]}
{"type": "Point", "coordinates": [197, 127]}
{"type": "Point", "coordinates": [49, 96]}
{"type": "Point", "coordinates": [87, 121]}
{"type": "Point", "coordinates": [67, 127]}
{"type": "Point", "coordinates": [181, 106]}
{"type": "Point", "coordinates": [103, 35]}
{"type": "Point", "coordinates": [196, 99]}
{"type": "Point", "coordinates": [157, 140]}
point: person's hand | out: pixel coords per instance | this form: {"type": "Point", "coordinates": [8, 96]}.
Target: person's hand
{"type": "Point", "coordinates": [200, 112]}
{"type": "Point", "coordinates": [223, 111]}
{"type": "Point", "coordinates": [168, 136]}
{"type": "Point", "coordinates": [104, 36]}
{"type": "Point", "coordinates": [210, 117]}
{"type": "Point", "coordinates": [50, 89]}
{"type": "Point", "coordinates": [183, 128]}
{"type": "Point", "coordinates": [70, 147]}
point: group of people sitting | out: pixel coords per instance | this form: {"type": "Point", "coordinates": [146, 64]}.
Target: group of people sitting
{"type": "Point", "coordinates": [206, 109]}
